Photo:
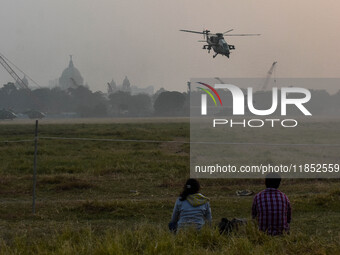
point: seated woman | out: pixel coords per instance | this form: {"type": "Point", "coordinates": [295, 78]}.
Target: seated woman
{"type": "Point", "coordinates": [191, 208]}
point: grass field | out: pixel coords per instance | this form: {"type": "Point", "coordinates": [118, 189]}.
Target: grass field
{"type": "Point", "coordinates": [96, 197]}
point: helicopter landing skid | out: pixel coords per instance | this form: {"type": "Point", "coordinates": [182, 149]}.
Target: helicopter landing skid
{"type": "Point", "coordinates": [215, 55]}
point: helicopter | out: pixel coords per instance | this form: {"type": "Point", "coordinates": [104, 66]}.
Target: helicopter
{"type": "Point", "coordinates": [217, 42]}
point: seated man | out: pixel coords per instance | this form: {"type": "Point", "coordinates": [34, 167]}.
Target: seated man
{"type": "Point", "coordinates": [272, 208]}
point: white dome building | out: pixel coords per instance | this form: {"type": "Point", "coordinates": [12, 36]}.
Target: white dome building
{"type": "Point", "coordinates": [71, 77]}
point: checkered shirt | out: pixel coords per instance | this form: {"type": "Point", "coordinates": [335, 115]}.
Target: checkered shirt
{"type": "Point", "coordinates": [272, 210]}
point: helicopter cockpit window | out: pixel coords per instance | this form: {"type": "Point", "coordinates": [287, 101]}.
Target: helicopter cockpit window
{"type": "Point", "coordinates": [224, 44]}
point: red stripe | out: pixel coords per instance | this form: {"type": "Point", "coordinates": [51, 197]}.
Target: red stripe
{"type": "Point", "coordinates": [213, 90]}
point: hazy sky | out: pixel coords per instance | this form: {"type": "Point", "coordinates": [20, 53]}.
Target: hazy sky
{"type": "Point", "coordinates": [140, 38]}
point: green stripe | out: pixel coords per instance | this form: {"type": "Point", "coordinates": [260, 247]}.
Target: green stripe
{"type": "Point", "coordinates": [208, 92]}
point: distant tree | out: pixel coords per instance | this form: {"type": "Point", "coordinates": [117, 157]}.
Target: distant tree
{"type": "Point", "coordinates": [119, 102]}
{"type": "Point", "coordinates": [8, 88]}
{"type": "Point", "coordinates": [154, 96]}
{"type": "Point", "coordinates": [8, 95]}
{"type": "Point", "coordinates": [140, 105]}
{"type": "Point", "coordinates": [15, 99]}
{"type": "Point", "coordinates": [54, 101]}
{"type": "Point", "coordinates": [124, 104]}
{"type": "Point", "coordinates": [60, 101]}
{"type": "Point", "coordinates": [186, 105]}
{"type": "Point", "coordinates": [85, 102]}
{"type": "Point", "coordinates": [41, 98]}
{"type": "Point", "coordinates": [169, 104]}
{"type": "Point", "coordinates": [335, 103]}
{"type": "Point", "coordinates": [100, 110]}
{"type": "Point", "coordinates": [320, 103]}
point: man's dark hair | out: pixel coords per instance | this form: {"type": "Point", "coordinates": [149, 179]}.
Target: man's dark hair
{"type": "Point", "coordinates": [191, 186]}
{"type": "Point", "coordinates": [273, 180]}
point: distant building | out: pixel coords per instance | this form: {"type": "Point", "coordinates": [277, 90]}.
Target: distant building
{"type": "Point", "coordinates": [111, 87]}
{"type": "Point", "coordinates": [148, 90]}
{"type": "Point", "coordinates": [71, 77]}
{"type": "Point", "coordinates": [126, 87]}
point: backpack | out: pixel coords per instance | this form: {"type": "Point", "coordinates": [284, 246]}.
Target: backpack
{"type": "Point", "coordinates": [227, 226]}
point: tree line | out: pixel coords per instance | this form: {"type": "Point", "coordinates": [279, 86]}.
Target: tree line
{"type": "Point", "coordinates": [82, 102]}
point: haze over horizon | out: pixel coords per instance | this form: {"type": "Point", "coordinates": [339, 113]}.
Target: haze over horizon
{"type": "Point", "coordinates": [141, 40]}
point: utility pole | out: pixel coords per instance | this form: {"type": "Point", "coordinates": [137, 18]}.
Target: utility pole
{"type": "Point", "coordinates": [35, 165]}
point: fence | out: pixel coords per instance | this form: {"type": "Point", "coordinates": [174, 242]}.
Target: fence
{"type": "Point", "coordinates": [36, 138]}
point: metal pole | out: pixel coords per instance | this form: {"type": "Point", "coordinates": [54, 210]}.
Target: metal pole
{"type": "Point", "coordinates": [35, 164]}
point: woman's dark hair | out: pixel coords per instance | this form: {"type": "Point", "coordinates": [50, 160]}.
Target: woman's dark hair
{"type": "Point", "coordinates": [192, 186]}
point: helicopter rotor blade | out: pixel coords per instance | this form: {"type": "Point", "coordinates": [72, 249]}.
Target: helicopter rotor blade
{"type": "Point", "coordinates": [190, 31]}
{"type": "Point", "coordinates": [228, 31]}
{"type": "Point", "coordinates": [242, 35]}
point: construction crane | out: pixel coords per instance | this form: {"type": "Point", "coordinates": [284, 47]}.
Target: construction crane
{"type": "Point", "coordinates": [16, 77]}
{"type": "Point", "coordinates": [32, 114]}
{"type": "Point", "coordinates": [269, 74]}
